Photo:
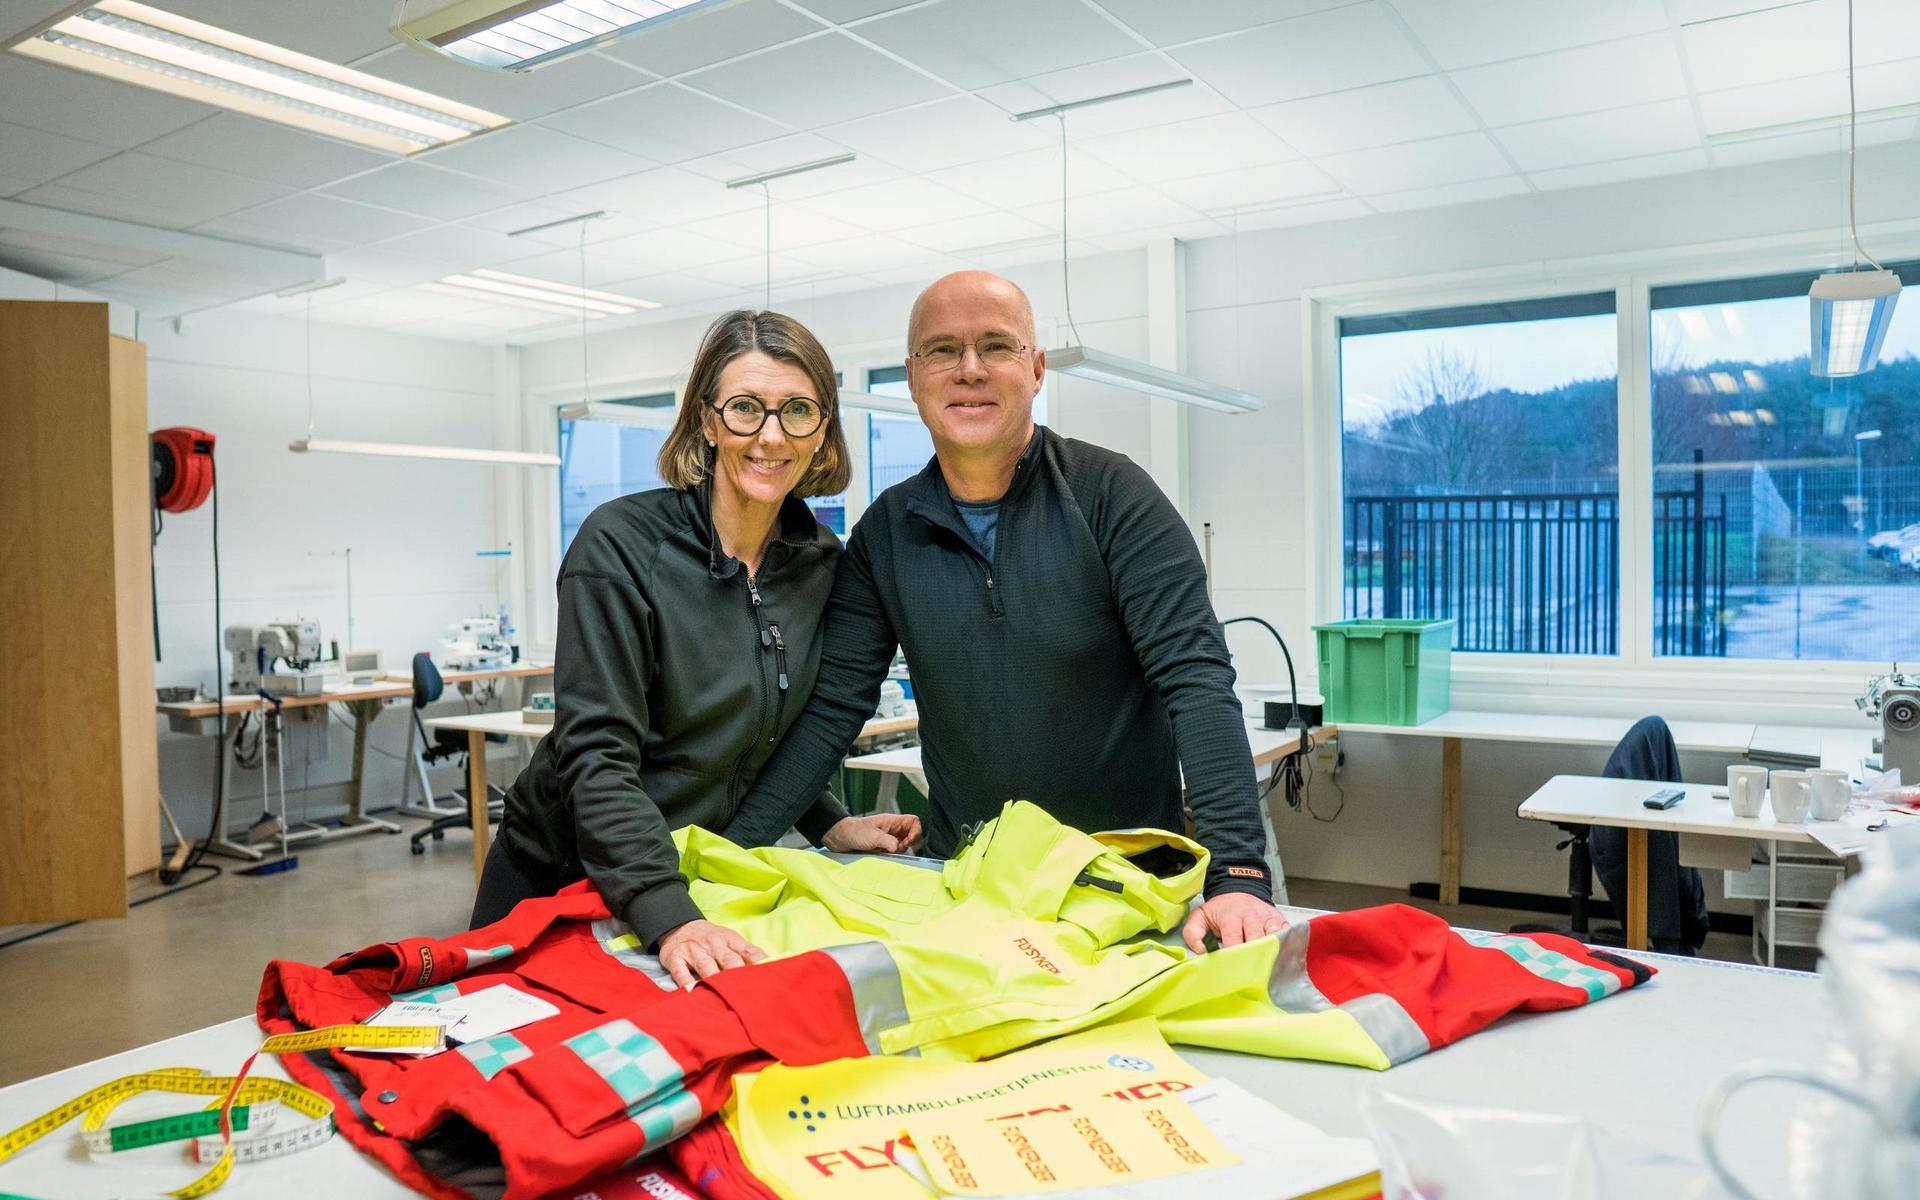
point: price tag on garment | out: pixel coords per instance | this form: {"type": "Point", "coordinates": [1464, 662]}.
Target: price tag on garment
{"type": "Point", "coordinates": [1091, 1142]}
{"type": "Point", "coordinates": [497, 1009]}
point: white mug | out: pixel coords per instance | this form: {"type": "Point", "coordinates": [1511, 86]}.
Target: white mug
{"type": "Point", "coordinates": [1791, 793]}
{"type": "Point", "coordinates": [1831, 789]}
{"type": "Point", "coordinates": [1747, 789]}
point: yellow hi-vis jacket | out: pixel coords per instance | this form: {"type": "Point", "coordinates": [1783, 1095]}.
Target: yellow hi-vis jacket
{"type": "Point", "coordinates": [1034, 930]}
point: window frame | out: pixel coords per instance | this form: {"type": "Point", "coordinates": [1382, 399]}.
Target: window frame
{"type": "Point", "coordinates": [1576, 682]}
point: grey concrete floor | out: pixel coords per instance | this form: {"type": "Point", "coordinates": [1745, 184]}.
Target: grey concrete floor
{"type": "Point", "coordinates": [195, 959]}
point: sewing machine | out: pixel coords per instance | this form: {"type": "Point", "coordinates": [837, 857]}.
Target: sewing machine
{"type": "Point", "coordinates": [257, 649]}
{"type": "Point", "coordinates": [472, 643]}
{"type": "Point", "coordinates": [1895, 701]}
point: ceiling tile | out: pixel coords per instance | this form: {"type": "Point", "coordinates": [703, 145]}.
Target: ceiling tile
{"type": "Point", "coordinates": [670, 290]}
{"type": "Point", "coordinates": [1452, 159]}
{"type": "Point", "coordinates": [156, 191]}
{"type": "Point", "coordinates": [972, 233]}
{"type": "Point", "coordinates": [337, 33]}
{"type": "Point", "coordinates": [31, 156]}
{"type": "Point", "coordinates": [863, 82]}
{"type": "Point", "coordinates": [312, 222]}
{"type": "Point", "coordinates": [793, 226]}
{"type": "Point", "coordinates": [1449, 193]}
{"type": "Point", "coordinates": [264, 150]}
{"type": "Point", "coordinates": [1464, 33]}
{"type": "Point", "coordinates": [565, 265]}
{"type": "Point", "coordinates": [89, 107]}
{"type": "Point", "coordinates": [773, 154]}
{"type": "Point", "coordinates": [941, 134]}
{"type": "Point", "coordinates": [1018, 179]}
{"type": "Point", "coordinates": [676, 249]}
{"type": "Point", "coordinates": [880, 251]}
{"type": "Point", "coordinates": [558, 85]}
{"type": "Point", "coordinates": [662, 196]}
{"type": "Point", "coordinates": [527, 215]}
{"type": "Point", "coordinates": [666, 123]}
{"type": "Point", "coordinates": [1643, 129]}
{"type": "Point", "coordinates": [1321, 52]}
{"type": "Point", "coordinates": [1113, 212]}
{"type": "Point", "coordinates": [1255, 187]}
{"type": "Point", "coordinates": [885, 207]}
{"type": "Point", "coordinates": [384, 266]}
{"type": "Point", "coordinates": [751, 271]}
{"type": "Point", "coordinates": [1767, 104]}
{"type": "Point", "coordinates": [1202, 146]}
{"type": "Point", "coordinates": [1674, 163]}
{"type": "Point", "coordinates": [460, 247]}
{"type": "Point", "coordinates": [530, 157]}
{"type": "Point", "coordinates": [67, 260]}
{"type": "Point", "coordinates": [976, 43]}
{"type": "Point", "coordinates": [842, 11]}
{"type": "Point", "coordinates": [1761, 47]}
{"type": "Point", "coordinates": [1631, 71]}
{"type": "Point", "coordinates": [1288, 216]}
{"type": "Point", "coordinates": [1166, 24]}
{"type": "Point", "coordinates": [688, 41]}
{"type": "Point", "coordinates": [428, 191]}
{"type": "Point", "coordinates": [1105, 79]}
{"type": "Point", "coordinates": [1405, 110]}
{"type": "Point", "coordinates": [1770, 149]}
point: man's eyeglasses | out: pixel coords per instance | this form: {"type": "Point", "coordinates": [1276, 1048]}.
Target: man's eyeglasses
{"type": "Point", "coordinates": [940, 357]}
{"type": "Point", "coordinates": [747, 415]}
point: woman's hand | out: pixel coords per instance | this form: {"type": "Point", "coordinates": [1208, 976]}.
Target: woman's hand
{"type": "Point", "coordinates": [875, 833]}
{"type": "Point", "coordinates": [700, 948]}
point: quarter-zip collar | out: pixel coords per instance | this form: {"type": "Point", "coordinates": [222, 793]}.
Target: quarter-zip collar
{"type": "Point", "coordinates": [929, 499]}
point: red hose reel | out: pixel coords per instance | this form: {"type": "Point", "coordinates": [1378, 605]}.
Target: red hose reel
{"type": "Point", "coordinates": [182, 468]}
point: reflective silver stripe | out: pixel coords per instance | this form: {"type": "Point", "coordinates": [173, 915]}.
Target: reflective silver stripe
{"type": "Point", "coordinates": [878, 1001]}
{"type": "Point", "coordinates": [1292, 990]}
{"type": "Point", "coordinates": [607, 931]}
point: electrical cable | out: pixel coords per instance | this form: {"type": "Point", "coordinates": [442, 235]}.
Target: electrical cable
{"type": "Point", "coordinates": [1066, 281]}
{"type": "Point", "coordinates": [185, 887]}
{"type": "Point", "coordinates": [1853, 121]}
{"type": "Point", "coordinates": [1294, 772]}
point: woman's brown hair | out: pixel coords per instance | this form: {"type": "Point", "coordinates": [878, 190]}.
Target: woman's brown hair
{"type": "Point", "coordinates": [685, 459]}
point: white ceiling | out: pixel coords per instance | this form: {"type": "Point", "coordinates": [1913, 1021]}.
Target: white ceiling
{"type": "Point", "coordinates": [1300, 111]}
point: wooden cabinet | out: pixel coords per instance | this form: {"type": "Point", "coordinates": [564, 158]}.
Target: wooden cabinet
{"type": "Point", "coordinates": [79, 772]}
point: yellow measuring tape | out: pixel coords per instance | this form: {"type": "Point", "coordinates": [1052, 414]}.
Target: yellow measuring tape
{"type": "Point", "coordinates": [214, 1144]}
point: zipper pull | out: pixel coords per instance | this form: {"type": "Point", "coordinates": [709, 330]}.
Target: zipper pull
{"type": "Point", "coordinates": [766, 639]}
{"type": "Point", "coordinates": [779, 654]}
{"type": "Point", "coordinates": [753, 592]}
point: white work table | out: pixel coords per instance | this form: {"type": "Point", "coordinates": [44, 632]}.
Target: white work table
{"type": "Point", "coordinates": [1637, 1063]}
{"type": "Point", "coordinates": [1454, 728]}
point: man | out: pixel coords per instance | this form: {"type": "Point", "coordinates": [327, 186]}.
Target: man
{"type": "Point", "coordinates": [1054, 612]}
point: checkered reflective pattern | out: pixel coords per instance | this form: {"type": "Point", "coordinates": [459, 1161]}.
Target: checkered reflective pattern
{"type": "Point", "coordinates": [635, 1066]}
{"type": "Point", "coordinates": [476, 958]}
{"type": "Point", "coordinates": [490, 1056]}
{"type": "Point", "coordinates": [668, 1119]}
{"type": "Point", "coordinates": [429, 995]}
{"type": "Point", "coordinates": [1548, 964]}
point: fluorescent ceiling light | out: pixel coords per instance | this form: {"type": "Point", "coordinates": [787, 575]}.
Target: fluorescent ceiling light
{"type": "Point", "coordinates": [150, 48]}
{"type": "Point", "coordinates": [409, 450]}
{"type": "Point", "coordinates": [873, 402]}
{"type": "Point", "coordinates": [782, 172]}
{"type": "Point", "coordinates": [499, 287]}
{"type": "Point", "coordinates": [1850, 312]}
{"type": "Point", "coordinates": [519, 35]}
{"type": "Point", "coordinates": [1084, 362]}
{"type": "Point", "coordinates": [1051, 110]}
{"type": "Point", "coordinates": [644, 416]}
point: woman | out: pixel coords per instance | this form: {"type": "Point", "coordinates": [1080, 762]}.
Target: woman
{"type": "Point", "coordinates": [688, 640]}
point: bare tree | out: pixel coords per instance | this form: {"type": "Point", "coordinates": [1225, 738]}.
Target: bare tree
{"type": "Point", "coordinates": [1449, 429]}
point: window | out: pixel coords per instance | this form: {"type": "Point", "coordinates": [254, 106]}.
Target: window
{"type": "Point", "coordinates": [1787, 506]}
{"type": "Point", "coordinates": [1481, 472]}
{"type": "Point", "coordinates": [831, 511]}
{"type": "Point", "coordinates": [600, 460]}
{"type": "Point", "coordinates": [897, 446]}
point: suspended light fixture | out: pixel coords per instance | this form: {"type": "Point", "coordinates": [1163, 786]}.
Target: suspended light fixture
{"type": "Point", "coordinates": [519, 35]}
{"type": "Point", "coordinates": [1849, 311]}
{"type": "Point", "coordinates": [145, 46]}
{"type": "Point", "coordinates": [1100, 366]}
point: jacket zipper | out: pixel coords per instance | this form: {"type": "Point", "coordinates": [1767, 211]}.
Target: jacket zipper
{"type": "Point", "coordinates": [766, 638]}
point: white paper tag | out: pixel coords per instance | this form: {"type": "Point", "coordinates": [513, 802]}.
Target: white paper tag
{"type": "Point", "coordinates": [492, 1010]}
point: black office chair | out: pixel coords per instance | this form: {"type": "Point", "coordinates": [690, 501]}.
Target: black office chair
{"type": "Point", "coordinates": [443, 744]}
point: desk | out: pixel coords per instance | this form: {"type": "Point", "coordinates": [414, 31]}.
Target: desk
{"type": "Point", "coordinates": [512, 724]}
{"type": "Point", "coordinates": [363, 701]}
{"type": "Point", "coordinates": [463, 679]}
{"type": "Point", "coordinates": [1268, 746]}
{"type": "Point", "coordinates": [1666, 1044]}
{"type": "Point", "coordinates": [517, 670]}
{"type": "Point", "coordinates": [1456, 727]}
{"type": "Point", "coordinates": [1591, 800]}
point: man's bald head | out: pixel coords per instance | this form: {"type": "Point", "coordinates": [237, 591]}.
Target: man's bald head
{"type": "Point", "coordinates": [973, 290]}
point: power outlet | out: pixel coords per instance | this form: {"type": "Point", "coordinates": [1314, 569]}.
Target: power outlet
{"type": "Point", "coordinates": [1328, 757]}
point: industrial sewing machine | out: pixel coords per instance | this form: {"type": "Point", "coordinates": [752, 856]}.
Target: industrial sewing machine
{"type": "Point", "coordinates": [281, 658]}
{"type": "Point", "coordinates": [1895, 700]}
{"type": "Point", "coordinates": [473, 643]}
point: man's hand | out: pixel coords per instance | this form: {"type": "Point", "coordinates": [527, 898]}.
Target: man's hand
{"type": "Point", "coordinates": [1233, 917]}
{"type": "Point", "coordinates": [875, 833]}
{"type": "Point", "coordinates": [698, 949]}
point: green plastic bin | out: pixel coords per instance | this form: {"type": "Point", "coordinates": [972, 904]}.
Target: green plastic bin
{"type": "Point", "coordinates": [1385, 672]}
